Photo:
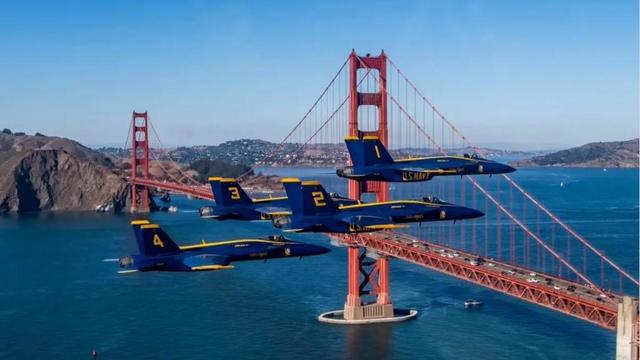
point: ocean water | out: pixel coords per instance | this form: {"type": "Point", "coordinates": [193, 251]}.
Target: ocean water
{"type": "Point", "coordinates": [60, 300]}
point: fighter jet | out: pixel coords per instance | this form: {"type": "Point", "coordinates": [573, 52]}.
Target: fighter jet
{"type": "Point", "coordinates": [371, 161]}
{"type": "Point", "coordinates": [312, 210]}
{"type": "Point", "coordinates": [232, 202]}
{"type": "Point", "coordinates": [159, 253]}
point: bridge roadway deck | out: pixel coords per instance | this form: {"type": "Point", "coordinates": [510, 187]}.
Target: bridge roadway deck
{"type": "Point", "coordinates": [559, 294]}
{"type": "Point", "coordinates": [203, 192]}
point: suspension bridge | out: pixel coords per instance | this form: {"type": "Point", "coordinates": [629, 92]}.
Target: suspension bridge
{"type": "Point", "coordinates": [520, 248]}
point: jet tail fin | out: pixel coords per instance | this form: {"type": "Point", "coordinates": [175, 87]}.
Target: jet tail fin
{"type": "Point", "coordinates": [367, 151]}
{"type": "Point", "coordinates": [308, 197]}
{"type": "Point", "coordinates": [227, 192]}
{"type": "Point", "coordinates": [152, 240]}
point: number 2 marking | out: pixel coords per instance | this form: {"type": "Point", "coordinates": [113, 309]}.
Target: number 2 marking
{"type": "Point", "coordinates": [318, 198]}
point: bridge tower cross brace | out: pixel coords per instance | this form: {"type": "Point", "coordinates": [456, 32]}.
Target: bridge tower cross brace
{"type": "Point", "coordinates": [139, 161]}
{"type": "Point", "coordinates": [355, 308]}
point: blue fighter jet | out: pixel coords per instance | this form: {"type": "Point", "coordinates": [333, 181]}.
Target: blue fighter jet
{"type": "Point", "coordinates": [159, 253]}
{"type": "Point", "coordinates": [232, 202]}
{"type": "Point", "coordinates": [371, 161]}
{"type": "Point", "coordinates": [312, 210]}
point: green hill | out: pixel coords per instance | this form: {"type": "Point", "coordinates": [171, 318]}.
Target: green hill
{"type": "Point", "coordinates": [614, 154]}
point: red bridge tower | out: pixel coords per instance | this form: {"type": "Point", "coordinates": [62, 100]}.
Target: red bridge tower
{"type": "Point", "coordinates": [139, 161]}
{"type": "Point", "coordinates": [368, 297]}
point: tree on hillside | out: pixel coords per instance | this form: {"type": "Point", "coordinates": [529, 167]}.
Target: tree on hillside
{"type": "Point", "coordinates": [207, 168]}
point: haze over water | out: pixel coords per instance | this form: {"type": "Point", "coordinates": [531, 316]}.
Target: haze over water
{"type": "Point", "coordinates": [58, 298]}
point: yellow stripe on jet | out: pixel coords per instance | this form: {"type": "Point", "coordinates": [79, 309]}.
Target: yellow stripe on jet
{"type": "Point", "coordinates": [140, 222]}
{"type": "Point", "coordinates": [438, 157]}
{"type": "Point", "coordinates": [269, 199]}
{"type": "Point", "coordinates": [215, 178]}
{"type": "Point", "coordinates": [229, 242]}
{"type": "Point", "coordinates": [385, 227]}
{"type": "Point", "coordinates": [150, 226]}
{"type": "Point", "coordinates": [392, 202]}
{"type": "Point", "coordinates": [290, 180]}
{"type": "Point", "coordinates": [279, 213]}
{"type": "Point", "coordinates": [311, 183]}
{"type": "Point", "coordinates": [212, 267]}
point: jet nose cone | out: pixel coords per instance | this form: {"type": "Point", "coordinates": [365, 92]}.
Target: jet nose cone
{"type": "Point", "coordinates": [316, 249]}
{"type": "Point", "coordinates": [499, 168]}
{"type": "Point", "coordinates": [469, 213]}
{"type": "Point", "coordinates": [507, 169]}
{"type": "Point", "coordinates": [323, 250]}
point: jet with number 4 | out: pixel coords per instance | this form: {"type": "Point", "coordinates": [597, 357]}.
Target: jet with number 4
{"type": "Point", "coordinates": [232, 202]}
{"type": "Point", "coordinates": [313, 210]}
{"type": "Point", "coordinates": [159, 253]}
{"type": "Point", "coordinates": [371, 161]}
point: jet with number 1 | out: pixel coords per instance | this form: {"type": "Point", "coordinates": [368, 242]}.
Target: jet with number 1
{"type": "Point", "coordinates": [372, 161]}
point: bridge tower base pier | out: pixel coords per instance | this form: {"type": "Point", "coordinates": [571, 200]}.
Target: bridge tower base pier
{"type": "Point", "coordinates": [367, 278]}
{"type": "Point", "coordinates": [628, 331]}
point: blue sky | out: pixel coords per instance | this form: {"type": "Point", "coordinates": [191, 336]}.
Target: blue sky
{"type": "Point", "coordinates": [535, 73]}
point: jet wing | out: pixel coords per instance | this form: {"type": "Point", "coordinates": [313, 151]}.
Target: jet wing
{"type": "Point", "coordinates": [268, 212]}
{"type": "Point", "coordinates": [207, 262]}
{"type": "Point", "coordinates": [364, 222]}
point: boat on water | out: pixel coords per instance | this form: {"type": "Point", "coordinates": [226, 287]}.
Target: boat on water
{"type": "Point", "coordinates": [472, 303]}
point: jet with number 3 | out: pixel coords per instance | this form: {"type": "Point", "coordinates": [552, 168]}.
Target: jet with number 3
{"type": "Point", "coordinates": [159, 253]}
{"type": "Point", "coordinates": [313, 210]}
{"type": "Point", "coordinates": [232, 202]}
{"type": "Point", "coordinates": [371, 161]}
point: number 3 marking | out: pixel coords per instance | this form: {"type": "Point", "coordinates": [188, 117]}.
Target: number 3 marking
{"type": "Point", "coordinates": [235, 194]}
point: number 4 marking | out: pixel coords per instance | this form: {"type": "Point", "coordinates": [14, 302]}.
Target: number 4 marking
{"type": "Point", "coordinates": [157, 241]}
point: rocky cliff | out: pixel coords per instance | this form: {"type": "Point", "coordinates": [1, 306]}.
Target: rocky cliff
{"type": "Point", "coordinates": [50, 173]}
{"type": "Point", "coordinates": [615, 154]}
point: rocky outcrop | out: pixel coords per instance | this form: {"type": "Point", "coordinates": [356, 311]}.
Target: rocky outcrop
{"type": "Point", "coordinates": [49, 173]}
{"type": "Point", "coordinates": [615, 154]}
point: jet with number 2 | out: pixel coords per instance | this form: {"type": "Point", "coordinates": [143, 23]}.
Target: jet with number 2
{"type": "Point", "coordinates": [313, 210]}
{"type": "Point", "coordinates": [371, 161]}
